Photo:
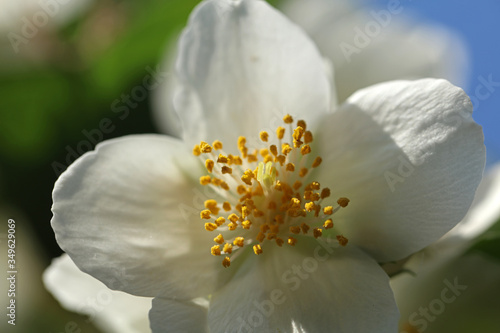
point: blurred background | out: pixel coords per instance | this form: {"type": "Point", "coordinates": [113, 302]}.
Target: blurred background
{"type": "Point", "coordinates": [67, 71]}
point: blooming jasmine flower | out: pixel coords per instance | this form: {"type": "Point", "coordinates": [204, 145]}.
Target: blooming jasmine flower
{"type": "Point", "coordinates": [280, 219]}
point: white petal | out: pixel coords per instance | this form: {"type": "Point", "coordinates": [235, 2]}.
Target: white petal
{"type": "Point", "coordinates": [128, 214]}
{"type": "Point", "coordinates": [284, 290]}
{"type": "Point", "coordinates": [409, 156]}
{"type": "Point", "coordinates": [458, 295]}
{"type": "Point", "coordinates": [162, 98]}
{"type": "Point", "coordinates": [372, 46]}
{"type": "Point", "coordinates": [485, 209]}
{"type": "Point", "coordinates": [242, 66]}
{"type": "Point", "coordinates": [171, 316]}
{"type": "Point", "coordinates": [111, 311]}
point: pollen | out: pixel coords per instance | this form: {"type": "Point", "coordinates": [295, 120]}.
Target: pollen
{"type": "Point", "coordinates": [257, 249]}
{"type": "Point", "coordinates": [226, 262]}
{"type": "Point", "coordinates": [215, 250]}
{"type": "Point", "coordinates": [264, 193]}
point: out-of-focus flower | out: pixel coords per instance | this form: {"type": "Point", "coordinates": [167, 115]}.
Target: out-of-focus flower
{"type": "Point", "coordinates": [452, 289]}
{"type": "Point", "coordinates": [130, 211]}
{"type": "Point", "coordinates": [111, 311]}
{"type": "Point", "coordinates": [371, 46]}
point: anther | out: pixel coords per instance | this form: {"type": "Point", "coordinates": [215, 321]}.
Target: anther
{"type": "Point", "coordinates": [205, 180]}
{"type": "Point", "coordinates": [226, 169]}
{"type": "Point", "coordinates": [209, 164]}
{"type": "Point", "coordinates": [292, 241]}
{"type": "Point", "coordinates": [317, 162]}
{"type": "Point", "coordinates": [264, 136]}
{"type": "Point", "coordinates": [205, 147]}
{"type": "Point", "coordinates": [308, 137]}
{"type": "Point", "coordinates": [328, 210]}
{"type": "Point", "coordinates": [226, 262]}
{"type": "Point", "coordinates": [288, 119]}
{"type": "Point", "coordinates": [302, 124]}
{"type": "Point", "coordinates": [226, 206]}
{"type": "Point", "coordinates": [205, 214]}
{"type": "Point", "coordinates": [257, 249]}
{"type": "Point", "coordinates": [342, 240]}
{"type": "Point", "coordinates": [239, 241]}
{"type": "Point", "coordinates": [196, 150]}
{"type": "Point", "coordinates": [280, 132]}
{"type": "Point", "coordinates": [219, 239]}
{"type": "Point", "coordinates": [228, 248]}
{"type": "Point", "coordinates": [303, 172]}
{"type": "Point", "coordinates": [215, 250]}
{"type": "Point", "coordinates": [317, 232]}
{"type": "Point", "coordinates": [222, 159]}
{"type": "Point", "coordinates": [217, 145]}
{"type": "Point", "coordinates": [328, 224]}
{"type": "Point", "coordinates": [343, 202]}
{"type": "Point", "coordinates": [306, 149]}
{"type": "Point", "coordinates": [246, 224]}
{"type": "Point", "coordinates": [210, 226]}
{"type": "Point", "coordinates": [325, 193]}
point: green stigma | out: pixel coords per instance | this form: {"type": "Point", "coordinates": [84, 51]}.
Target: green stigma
{"type": "Point", "coordinates": [266, 175]}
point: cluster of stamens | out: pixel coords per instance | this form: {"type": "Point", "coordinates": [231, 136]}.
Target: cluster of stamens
{"type": "Point", "coordinates": [264, 193]}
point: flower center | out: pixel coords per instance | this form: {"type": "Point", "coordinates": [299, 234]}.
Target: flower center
{"type": "Point", "coordinates": [265, 195]}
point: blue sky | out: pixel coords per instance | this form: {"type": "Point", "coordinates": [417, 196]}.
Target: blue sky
{"type": "Point", "coordinates": [478, 22]}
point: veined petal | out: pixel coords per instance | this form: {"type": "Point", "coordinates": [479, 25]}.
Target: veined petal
{"type": "Point", "coordinates": [409, 156]}
{"type": "Point", "coordinates": [171, 316]}
{"type": "Point", "coordinates": [127, 215]}
{"type": "Point", "coordinates": [323, 290]}
{"type": "Point", "coordinates": [242, 66]}
{"type": "Point", "coordinates": [111, 311]}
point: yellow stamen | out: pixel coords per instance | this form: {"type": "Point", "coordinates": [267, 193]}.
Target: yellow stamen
{"type": "Point", "coordinates": [239, 241]}
{"type": "Point", "coordinates": [217, 145]}
{"type": "Point", "coordinates": [219, 239]}
{"type": "Point", "coordinates": [215, 250]}
{"type": "Point", "coordinates": [228, 248]}
{"type": "Point", "coordinates": [328, 224]}
{"type": "Point", "coordinates": [342, 240]}
{"type": "Point", "coordinates": [210, 226]}
{"type": "Point", "coordinates": [343, 202]}
{"type": "Point", "coordinates": [287, 119]}
{"type": "Point", "coordinates": [226, 262]}
{"type": "Point", "coordinates": [280, 132]}
{"type": "Point", "coordinates": [257, 249]}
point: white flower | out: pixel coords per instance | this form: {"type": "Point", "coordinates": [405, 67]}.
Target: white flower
{"type": "Point", "coordinates": [474, 305]}
{"type": "Point", "coordinates": [111, 311]}
{"type": "Point", "coordinates": [133, 206]}
{"type": "Point", "coordinates": [368, 46]}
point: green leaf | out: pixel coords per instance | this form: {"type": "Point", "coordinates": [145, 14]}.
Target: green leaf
{"type": "Point", "coordinates": [489, 242]}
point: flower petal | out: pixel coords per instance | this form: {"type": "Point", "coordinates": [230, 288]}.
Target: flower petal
{"type": "Point", "coordinates": [285, 290]}
{"type": "Point", "coordinates": [409, 156]}
{"type": "Point", "coordinates": [368, 47]}
{"type": "Point", "coordinates": [242, 66]}
{"type": "Point", "coordinates": [126, 214]}
{"type": "Point", "coordinates": [111, 311]}
{"type": "Point", "coordinates": [171, 316]}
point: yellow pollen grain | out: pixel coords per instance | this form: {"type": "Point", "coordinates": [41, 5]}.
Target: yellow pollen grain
{"type": "Point", "coordinates": [343, 202]}
{"type": "Point", "coordinates": [257, 249]}
{"type": "Point", "coordinates": [308, 137]}
{"type": "Point", "coordinates": [226, 262]}
{"type": "Point", "coordinates": [196, 150]}
{"type": "Point", "coordinates": [228, 248]}
{"type": "Point", "coordinates": [297, 185]}
{"type": "Point", "coordinates": [236, 160]}
{"type": "Point", "coordinates": [280, 132]}
{"type": "Point", "coordinates": [297, 133]}
{"type": "Point", "coordinates": [205, 147]}
{"type": "Point", "coordinates": [226, 206]}
{"type": "Point", "coordinates": [306, 149]}
{"type": "Point", "coordinates": [288, 119]}
{"type": "Point", "coordinates": [268, 158]}
{"type": "Point", "coordinates": [317, 232]}
{"type": "Point", "coordinates": [233, 218]}
{"type": "Point", "coordinates": [285, 149]}
{"type": "Point", "coordinates": [222, 159]}
{"type": "Point", "coordinates": [246, 224]}
{"type": "Point", "coordinates": [245, 211]}
{"type": "Point", "coordinates": [210, 226]}
{"type": "Point", "coordinates": [232, 226]}
{"type": "Point", "coordinates": [317, 162]}
{"type": "Point", "coordinates": [325, 193]}
{"type": "Point", "coordinates": [295, 230]}
{"type": "Point", "coordinates": [273, 149]}
{"type": "Point", "coordinates": [328, 224]}
{"type": "Point", "coordinates": [302, 123]}
{"type": "Point", "coordinates": [209, 164]}
{"type": "Point", "coordinates": [305, 228]}
{"type": "Point", "coordinates": [205, 180]}
{"type": "Point", "coordinates": [310, 206]}
{"type": "Point", "coordinates": [225, 186]}
{"type": "Point", "coordinates": [239, 241]}
{"type": "Point", "coordinates": [292, 241]}
{"type": "Point", "coordinates": [263, 152]}
{"type": "Point", "coordinates": [215, 250]}
{"type": "Point", "coordinates": [226, 169]}
{"type": "Point", "coordinates": [297, 143]}
{"type": "Point", "coordinates": [281, 159]}
{"type": "Point", "coordinates": [315, 196]}
{"type": "Point", "coordinates": [303, 172]}
{"type": "Point", "coordinates": [217, 145]}
{"type": "Point", "coordinates": [328, 210]}
{"type": "Point", "coordinates": [315, 186]}
{"type": "Point", "coordinates": [210, 203]}
{"type": "Point", "coordinates": [241, 141]}
{"type": "Point", "coordinates": [342, 240]}
{"type": "Point", "coordinates": [205, 214]}
{"type": "Point", "coordinates": [290, 167]}
{"type": "Point", "coordinates": [294, 203]}
{"type": "Point", "coordinates": [220, 221]}
{"type": "Point", "coordinates": [219, 239]}
{"type": "Point", "coordinates": [264, 136]}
